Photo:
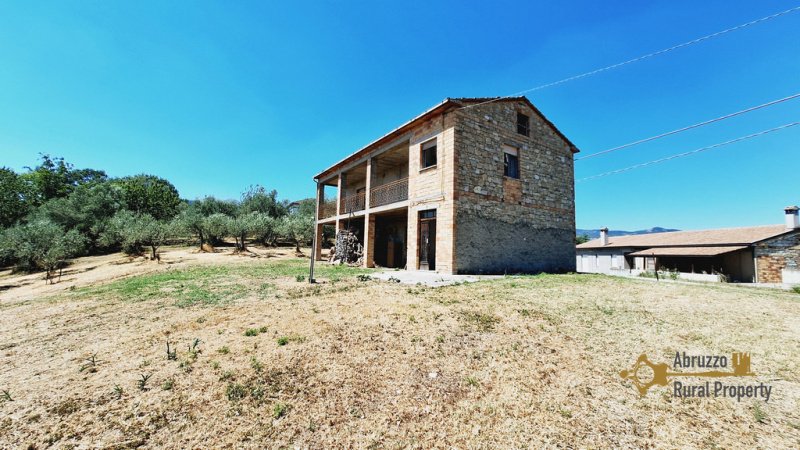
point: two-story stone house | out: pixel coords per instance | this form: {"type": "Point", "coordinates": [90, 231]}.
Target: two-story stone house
{"type": "Point", "coordinates": [473, 185]}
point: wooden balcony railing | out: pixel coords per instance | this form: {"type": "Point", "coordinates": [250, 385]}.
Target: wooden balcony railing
{"type": "Point", "coordinates": [353, 203]}
{"type": "Point", "coordinates": [327, 209]}
{"type": "Point", "coordinates": [396, 191]}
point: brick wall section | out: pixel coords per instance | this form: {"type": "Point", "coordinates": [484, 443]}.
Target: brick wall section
{"type": "Point", "coordinates": [505, 225]}
{"type": "Point", "coordinates": [431, 188]}
{"type": "Point", "coordinates": [775, 255]}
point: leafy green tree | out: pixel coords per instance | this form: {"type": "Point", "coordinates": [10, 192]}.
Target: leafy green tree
{"type": "Point", "coordinates": [42, 244]}
{"type": "Point", "coordinates": [582, 238]}
{"type": "Point", "coordinates": [216, 226]}
{"type": "Point", "coordinates": [87, 209]}
{"type": "Point", "coordinates": [263, 228]}
{"type": "Point", "coordinates": [210, 205]}
{"type": "Point", "coordinates": [151, 195]}
{"type": "Point", "coordinates": [12, 198]}
{"type": "Point", "coordinates": [298, 228]}
{"type": "Point", "coordinates": [134, 232]}
{"type": "Point", "coordinates": [191, 220]}
{"type": "Point", "coordinates": [257, 199]}
{"type": "Point", "coordinates": [239, 228]}
{"type": "Point", "coordinates": [154, 233]}
{"type": "Point", "coordinates": [306, 207]}
{"type": "Point", "coordinates": [6, 249]}
{"type": "Point", "coordinates": [56, 178]}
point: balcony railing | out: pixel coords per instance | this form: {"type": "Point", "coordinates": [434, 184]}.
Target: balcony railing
{"type": "Point", "coordinates": [396, 191]}
{"type": "Point", "coordinates": [393, 192]}
{"type": "Point", "coordinates": [353, 203]}
{"type": "Point", "coordinates": [327, 209]}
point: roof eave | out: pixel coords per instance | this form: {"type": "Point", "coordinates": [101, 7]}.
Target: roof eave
{"type": "Point", "coordinates": [433, 111]}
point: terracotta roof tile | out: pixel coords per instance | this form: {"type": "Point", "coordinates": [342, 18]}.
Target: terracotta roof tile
{"type": "Point", "coordinates": [721, 236]}
{"type": "Point", "coordinates": [688, 251]}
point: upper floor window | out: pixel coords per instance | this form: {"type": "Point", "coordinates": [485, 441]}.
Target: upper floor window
{"type": "Point", "coordinates": [428, 154]}
{"type": "Point", "coordinates": [523, 124]}
{"type": "Point", "coordinates": [510, 161]}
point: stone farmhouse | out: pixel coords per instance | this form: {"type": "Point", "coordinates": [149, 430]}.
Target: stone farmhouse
{"type": "Point", "coordinates": [763, 254]}
{"type": "Point", "coordinates": [473, 185]}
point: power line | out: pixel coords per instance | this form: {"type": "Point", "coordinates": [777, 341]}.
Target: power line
{"type": "Point", "coordinates": [681, 155]}
{"type": "Point", "coordinates": [690, 127]}
{"type": "Point", "coordinates": [642, 57]}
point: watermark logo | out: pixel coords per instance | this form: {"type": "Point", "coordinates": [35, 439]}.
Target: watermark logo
{"type": "Point", "coordinates": [661, 375]}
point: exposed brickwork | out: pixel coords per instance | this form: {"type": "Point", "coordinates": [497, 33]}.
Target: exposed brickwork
{"type": "Point", "coordinates": [774, 255]}
{"type": "Point", "coordinates": [512, 191]}
{"type": "Point", "coordinates": [431, 188]}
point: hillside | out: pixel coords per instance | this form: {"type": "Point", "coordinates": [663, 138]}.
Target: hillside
{"type": "Point", "coordinates": [593, 234]}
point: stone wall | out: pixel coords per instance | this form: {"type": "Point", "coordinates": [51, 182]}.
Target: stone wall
{"type": "Point", "coordinates": [775, 255]}
{"type": "Point", "coordinates": [504, 224]}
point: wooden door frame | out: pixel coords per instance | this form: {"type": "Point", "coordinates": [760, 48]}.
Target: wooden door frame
{"type": "Point", "coordinates": [420, 221]}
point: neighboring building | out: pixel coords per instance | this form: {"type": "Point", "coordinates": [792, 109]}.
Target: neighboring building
{"type": "Point", "coordinates": [764, 254]}
{"type": "Point", "coordinates": [473, 185]}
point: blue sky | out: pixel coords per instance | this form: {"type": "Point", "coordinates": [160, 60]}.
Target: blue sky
{"type": "Point", "coordinates": [216, 96]}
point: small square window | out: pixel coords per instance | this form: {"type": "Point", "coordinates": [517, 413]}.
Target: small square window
{"type": "Point", "coordinates": [523, 124]}
{"type": "Point", "coordinates": [510, 162]}
{"type": "Point", "coordinates": [428, 154]}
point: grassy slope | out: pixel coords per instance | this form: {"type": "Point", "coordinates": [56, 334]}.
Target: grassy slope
{"type": "Point", "coordinates": [516, 362]}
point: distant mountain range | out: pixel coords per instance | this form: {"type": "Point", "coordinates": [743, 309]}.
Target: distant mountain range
{"type": "Point", "coordinates": [594, 234]}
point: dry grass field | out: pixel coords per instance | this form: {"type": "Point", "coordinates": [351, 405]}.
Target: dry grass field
{"type": "Point", "coordinates": [261, 359]}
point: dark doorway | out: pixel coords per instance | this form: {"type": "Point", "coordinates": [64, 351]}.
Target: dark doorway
{"type": "Point", "coordinates": [427, 240]}
{"type": "Point", "coordinates": [390, 239]}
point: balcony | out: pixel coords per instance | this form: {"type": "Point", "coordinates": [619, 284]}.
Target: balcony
{"type": "Point", "coordinates": [353, 203]}
{"type": "Point", "coordinates": [385, 194]}
{"type": "Point", "coordinates": [327, 209]}
{"type": "Point", "coordinates": [396, 191]}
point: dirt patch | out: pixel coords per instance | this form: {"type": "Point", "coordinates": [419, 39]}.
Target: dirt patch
{"type": "Point", "coordinates": [94, 270]}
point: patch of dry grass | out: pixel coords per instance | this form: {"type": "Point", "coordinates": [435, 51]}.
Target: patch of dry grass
{"type": "Point", "coordinates": [515, 362]}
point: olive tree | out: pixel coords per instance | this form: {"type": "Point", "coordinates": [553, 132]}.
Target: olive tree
{"type": "Point", "coordinates": [216, 227]}
{"type": "Point", "coordinates": [191, 220]}
{"type": "Point", "coordinates": [135, 232]}
{"type": "Point", "coordinates": [298, 228]}
{"type": "Point", "coordinates": [42, 245]}
{"type": "Point", "coordinates": [87, 209]}
{"type": "Point", "coordinates": [239, 229]}
{"type": "Point", "coordinates": [263, 228]}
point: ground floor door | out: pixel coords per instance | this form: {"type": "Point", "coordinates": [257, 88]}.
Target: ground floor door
{"type": "Point", "coordinates": [427, 240]}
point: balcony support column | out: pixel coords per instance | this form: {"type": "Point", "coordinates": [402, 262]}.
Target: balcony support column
{"type": "Point", "coordinates": [369, 221]}
{"type": "Point", "coordinates": [339, 196]}
{"type": "Point", "coordinates": [317, 250]}
{"type": "Point", "coordinates": [369, 240]}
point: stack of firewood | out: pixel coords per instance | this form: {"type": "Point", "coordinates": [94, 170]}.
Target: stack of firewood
{"type": "Point", "coordinates": [348, 250]}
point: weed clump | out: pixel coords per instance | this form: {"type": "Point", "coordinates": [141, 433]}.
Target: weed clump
{"type": "Point", "coordinates": [255, 331]}
{"type": "Point", "coordinates": [279, 410]}
{"type": "Point", "coordinates": [283, 340]}
{"type": "Point", "coordinates": [483, 322]}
